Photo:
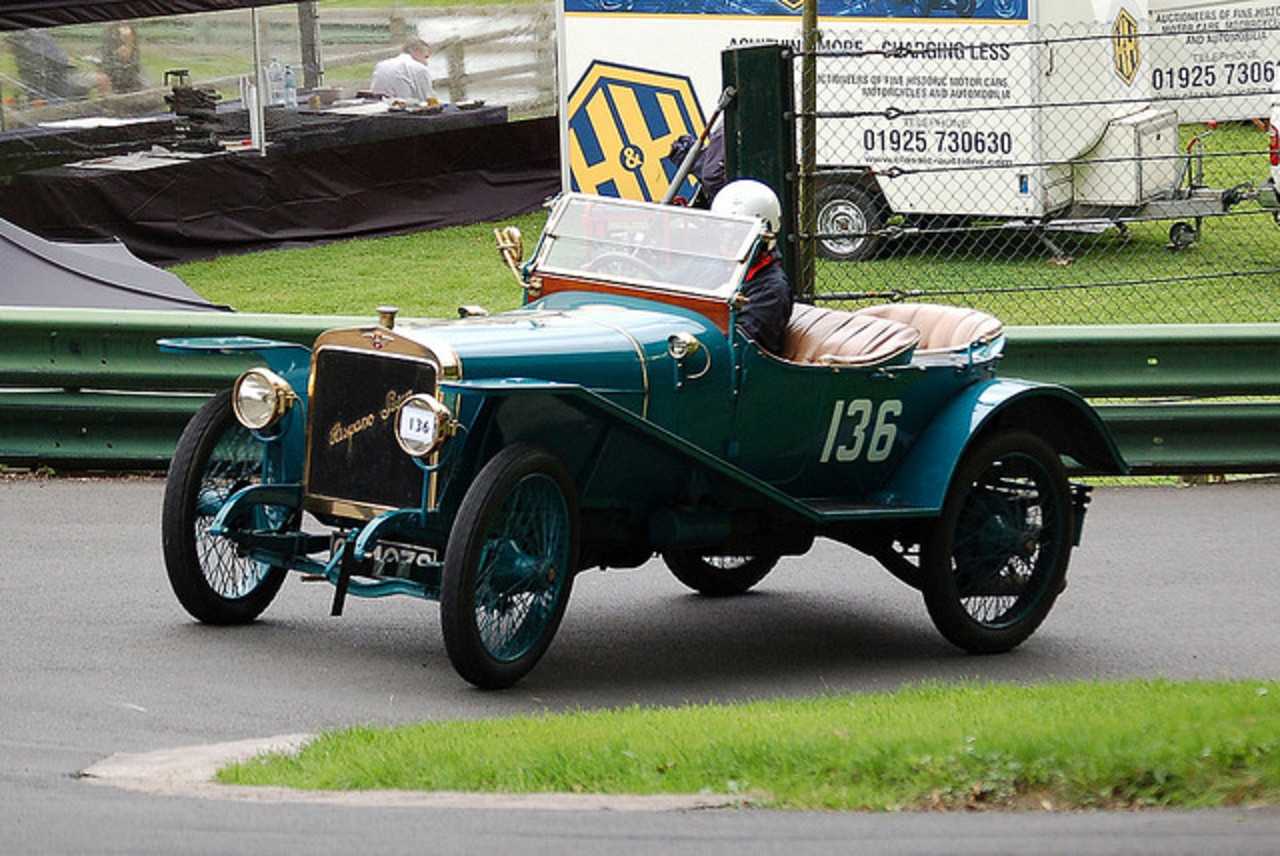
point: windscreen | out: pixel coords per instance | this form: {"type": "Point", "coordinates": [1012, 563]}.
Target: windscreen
{"type": "Point", "coordinates": [664, 246]}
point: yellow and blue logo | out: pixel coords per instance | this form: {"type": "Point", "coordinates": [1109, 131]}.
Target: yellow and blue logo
{"type": "Point", "coordinates": [622, 122]}
{"type": "Point", "coordinates": [1126, 44]}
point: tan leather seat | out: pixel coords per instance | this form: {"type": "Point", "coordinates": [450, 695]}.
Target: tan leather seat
{"type": "Point", "coordinates": [831, 337]}
{"type": "Point", "coordinates": [942, 328]}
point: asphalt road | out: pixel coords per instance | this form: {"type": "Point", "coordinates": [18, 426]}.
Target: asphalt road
{"type": "Point", "coordinates": [98, 658]}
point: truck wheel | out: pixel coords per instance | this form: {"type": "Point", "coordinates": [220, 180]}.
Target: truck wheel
{"type": "Point", "coordinates": [847, 209]}
{"type": "Point", "coordinates": [216, 456]}
{"type": "Point", "coordinates": [718, 576]}
{"type": "Point", "coordinates": [509, 566]}
{"type": "Point", "coordinates": [996, 559]}
{"type": "Point", "coordinates": [1182, 235]}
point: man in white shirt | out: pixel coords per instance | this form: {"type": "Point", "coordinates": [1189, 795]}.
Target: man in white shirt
{"type": "Point", "coordinates": [405, 75]}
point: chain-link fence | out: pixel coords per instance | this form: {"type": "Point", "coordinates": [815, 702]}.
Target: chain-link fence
{"type": "Point", "coordinates": [1074, 178]}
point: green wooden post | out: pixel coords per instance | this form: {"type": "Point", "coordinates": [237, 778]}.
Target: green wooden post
{"type": "Point", "coordinates": [760, 131]}
{"type": "Point", "coordinates": [807, 222]}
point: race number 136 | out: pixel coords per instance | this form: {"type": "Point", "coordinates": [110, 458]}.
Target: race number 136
{"type": "Point", "coordinates": [861, 431]}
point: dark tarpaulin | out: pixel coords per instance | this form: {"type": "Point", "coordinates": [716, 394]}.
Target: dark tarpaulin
{"type": "Point", "coordinates": [244, 201]}
{"type": "Point", "coordinates": [26, 14]}
{"type": "Point", "coordinates": [98, 276]}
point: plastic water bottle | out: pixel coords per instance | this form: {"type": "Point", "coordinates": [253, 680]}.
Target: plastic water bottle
{"type": "Point", "coordinates": [290, 89]}
{"type": "Point", "coordinates": [275, 82]}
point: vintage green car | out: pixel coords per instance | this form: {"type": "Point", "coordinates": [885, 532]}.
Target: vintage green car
{"type": "Point", "coordinates": [485, 461]}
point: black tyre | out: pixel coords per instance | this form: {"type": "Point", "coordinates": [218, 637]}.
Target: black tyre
{"type": "Point", "coordinates": [848, 214]}
{"type": "Point", "coordinates": [718, 575]}
{"type": "Point", "coordinates": [997, 558]}
{"type": "Point", "coordinates": [1182, 235]}
{"type": "Point", "coordinates": [216, 456]}
{"type": "Point", "coordinates": [509, 566]}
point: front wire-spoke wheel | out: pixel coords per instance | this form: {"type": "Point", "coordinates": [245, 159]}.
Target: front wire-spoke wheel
{"type": "Point", "coordinates": [509, 566]}
{"type": "Point", "coordinates": [997, 557]}
{"type": "Point", "coordinates": [216, 456]}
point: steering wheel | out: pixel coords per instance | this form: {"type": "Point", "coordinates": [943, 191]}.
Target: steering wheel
{"type": "Point", "coordinates": [619, 264]}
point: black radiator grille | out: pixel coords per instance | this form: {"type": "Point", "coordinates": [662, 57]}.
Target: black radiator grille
{"type": "Point", "coordinates": [352, 454]}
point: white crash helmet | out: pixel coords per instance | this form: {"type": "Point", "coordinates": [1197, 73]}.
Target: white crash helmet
{"type": "Point", "coordinates": [750, 198]}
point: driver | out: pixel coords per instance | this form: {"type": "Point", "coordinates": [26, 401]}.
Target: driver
{"type": "Point", "coordinates": [764, 316]}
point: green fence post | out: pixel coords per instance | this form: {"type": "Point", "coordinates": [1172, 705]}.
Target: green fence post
{"type": "Point", "coordinates": [759, 131]}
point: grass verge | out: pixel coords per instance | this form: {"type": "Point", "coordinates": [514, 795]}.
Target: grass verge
{"type": "Point", "coordinates": [426, 274]}
{"type": "Point", "coordinates": [1052, 747]}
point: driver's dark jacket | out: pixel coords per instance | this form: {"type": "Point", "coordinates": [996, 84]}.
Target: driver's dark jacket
{"type": "Point", "coordinates": [765, 315]}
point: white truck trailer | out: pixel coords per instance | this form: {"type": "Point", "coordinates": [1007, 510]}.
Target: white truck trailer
{"type": "Point", "coordinates": [1218, 61]}
{"type": "Point", "coordinates": [1025, 111]}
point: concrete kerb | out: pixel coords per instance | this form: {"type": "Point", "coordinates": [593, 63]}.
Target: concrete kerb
{"type": "Point", "coordinates": [189, 772]}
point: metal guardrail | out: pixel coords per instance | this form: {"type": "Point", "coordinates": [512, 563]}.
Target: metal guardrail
{"type": "Point", "coordinates": [1178, 398]}
{"type": "Point", "coordinates": [88, 389]}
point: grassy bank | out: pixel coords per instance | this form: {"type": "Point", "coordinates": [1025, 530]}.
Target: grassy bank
{"type": "Point", "coordinates": [1062, 746]}
{"type": "Point", "coordinates": [427, 274]}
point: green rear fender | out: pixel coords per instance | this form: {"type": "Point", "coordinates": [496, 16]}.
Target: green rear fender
{"type": "Point", "coordinates": [1054, 413]}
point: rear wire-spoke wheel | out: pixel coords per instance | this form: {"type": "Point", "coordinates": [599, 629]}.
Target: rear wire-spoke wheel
{"type": "Point", "coordinates": [216, 456]}
{"type": "Point", "coordinates": [718, 575]}
{"type": "Point", "coordinates": [509, 566]}
{"type": "Point", "coordinates": [997, 558]}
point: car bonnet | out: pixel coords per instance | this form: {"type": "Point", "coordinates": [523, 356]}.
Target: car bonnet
{"type": "Point", "coordinates": [604, 345]}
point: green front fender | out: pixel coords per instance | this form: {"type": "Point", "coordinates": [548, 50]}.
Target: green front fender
{"type": "Point", "coordinates": [287, 359]}
{"type": "Point", "coordinates": [284, 445]}
{"type": "Point", "coordinates": [1056, 414]}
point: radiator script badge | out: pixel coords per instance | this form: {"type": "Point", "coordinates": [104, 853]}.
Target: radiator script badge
{"type": "Point", "coordinates": [341, 433]}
